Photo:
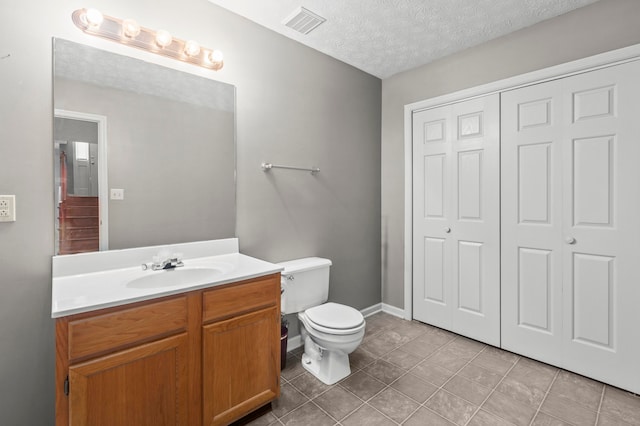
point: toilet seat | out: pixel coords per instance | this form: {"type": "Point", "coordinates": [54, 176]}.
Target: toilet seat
{"type": "Point", "coordinates": [334, 318]}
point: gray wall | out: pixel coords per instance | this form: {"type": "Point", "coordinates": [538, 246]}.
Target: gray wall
{"type": "Point", "coordinates": [602, 26]}
{"type": "Point", "coordinates": [294, 106]}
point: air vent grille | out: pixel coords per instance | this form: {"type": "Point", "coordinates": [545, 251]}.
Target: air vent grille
{"type": "Point", "coordinates": [303, 20]}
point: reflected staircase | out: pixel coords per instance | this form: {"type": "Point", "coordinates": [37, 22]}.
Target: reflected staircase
{"type": "Point", "coordinates": [79, 225]}
{"type": "Point", "coordinates": [78, 219]}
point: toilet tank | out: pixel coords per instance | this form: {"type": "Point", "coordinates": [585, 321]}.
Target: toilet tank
{"type": "Point", "coordinates": [305, 283]}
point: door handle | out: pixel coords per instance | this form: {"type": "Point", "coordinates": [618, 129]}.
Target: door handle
{"type": "Point", "coordinates": [447, 229]}
{"type": "Point", "coordinates": [570, 240]}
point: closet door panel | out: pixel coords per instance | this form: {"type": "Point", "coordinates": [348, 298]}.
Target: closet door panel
{"type": "Point", "coordinates": [476, 221]}
{"type": "Point", "coordinates": [531, 256]}
{"type": "Point", "coordinates": [431, 214]}
{"type": "Point", "coordinates": [600, 224]}
{"type": "Point", "coordinates": [570, 228]}
{"type": "Point", "coordinates": [535, 289]}
{"type": "Point", "coordinates": [456, 272]}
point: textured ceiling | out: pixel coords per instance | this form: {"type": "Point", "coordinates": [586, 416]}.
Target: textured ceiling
{"type": "Point", "coordinates": [385, 37]}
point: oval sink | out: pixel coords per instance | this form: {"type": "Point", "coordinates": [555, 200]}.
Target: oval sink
{"type": "Point", "coordinates": [176, 277]}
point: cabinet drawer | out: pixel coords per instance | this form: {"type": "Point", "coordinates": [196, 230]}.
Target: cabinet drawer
{"type": "Point", "coordinates": [109, 331]}
{"type": "Point", "coordinates": [239, 298]}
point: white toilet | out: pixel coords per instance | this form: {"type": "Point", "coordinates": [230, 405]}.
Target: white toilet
{"type": "Point", "coordinates": [330, 331]}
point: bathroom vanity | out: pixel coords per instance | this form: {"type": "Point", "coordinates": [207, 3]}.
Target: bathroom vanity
{"type": "Point", "coordinates": [137, 350]}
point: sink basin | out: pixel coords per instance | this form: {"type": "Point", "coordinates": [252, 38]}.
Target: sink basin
{"type": "Point", "coordinates": [177, 277]}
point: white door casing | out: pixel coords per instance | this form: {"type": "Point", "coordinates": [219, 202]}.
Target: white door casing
{"type": "Point", "coordinates": [456, 215]}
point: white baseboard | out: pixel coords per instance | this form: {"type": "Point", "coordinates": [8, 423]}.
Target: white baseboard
{"type": "Point", "coordinates": [374, 309]}
{"type": "Point", "coordinates": [392, 310]}
{"type": "Point", "coordinates": [294, 342]}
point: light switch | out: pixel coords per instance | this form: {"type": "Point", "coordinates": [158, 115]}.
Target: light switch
{"type": "Point", "coordinates": [117, 194]}
{"type": "Point", "coordinates": [7, 208]}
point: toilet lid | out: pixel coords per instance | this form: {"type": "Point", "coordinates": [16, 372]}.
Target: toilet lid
{"type": "Point", "coordinates": [334, 315]}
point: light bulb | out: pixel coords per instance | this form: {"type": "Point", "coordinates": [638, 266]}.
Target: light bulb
{"type": "Point", "coordinates": [93, 18]}
{"type": "Point", "coordinates": [163, 38]}
{"type": "Point", "coordinates": [191, 48]}
{"type": "Point", "coordinates": [130, 28]}
{"type": "Point", "coordinates": [215, 57]}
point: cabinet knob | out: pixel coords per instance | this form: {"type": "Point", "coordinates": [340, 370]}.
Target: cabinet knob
{"type": "Point", "coordinates": [570, 240]}
{"type": "Point", "coordinates": [447, 229]}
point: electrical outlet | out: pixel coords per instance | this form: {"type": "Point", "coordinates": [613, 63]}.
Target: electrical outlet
{"type": "Point", "coordinates": [7, 208]}
{"type": "Point", "coordinates": [117, 194]}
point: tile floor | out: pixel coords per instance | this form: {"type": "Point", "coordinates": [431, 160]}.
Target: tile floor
{"type": "Point", "coordinates": [410, 373]}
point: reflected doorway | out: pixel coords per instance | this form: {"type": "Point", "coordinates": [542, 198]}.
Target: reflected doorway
{"type": "Point", "coordinates": [81, 182]}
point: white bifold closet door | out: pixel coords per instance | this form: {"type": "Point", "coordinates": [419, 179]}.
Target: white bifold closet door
{"type": "Point", "coordinates": [571, 223]}
{"type": "Point", "coordinates": [456, 218]}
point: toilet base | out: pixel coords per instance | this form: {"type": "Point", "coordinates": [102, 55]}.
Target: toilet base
{"type": "Point", "coordinates": [332, 367]}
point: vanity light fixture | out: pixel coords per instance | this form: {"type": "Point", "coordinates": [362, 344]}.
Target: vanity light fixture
{"type": "Point", "coordinates": [130, 28]}
{"type": "Point", "coordinates": [92, 18]}
{"type": "Point", "coordinates": [161, 42]}
{"type": "Point", "coordinates": [191, 48]}
{"type": "Point", "coordinates": [163, 38]}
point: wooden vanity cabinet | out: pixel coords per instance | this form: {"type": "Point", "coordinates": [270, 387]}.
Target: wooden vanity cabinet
{"type": "Point", "coordinates": [244, 346]}
{"type": "Point", "coordinates": [144, 385]}
{"type": "Point", "coordinates": [168, 361]}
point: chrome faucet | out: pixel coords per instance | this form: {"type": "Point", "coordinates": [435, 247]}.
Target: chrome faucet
{"type": "Point", "coordinates": [158, 265]}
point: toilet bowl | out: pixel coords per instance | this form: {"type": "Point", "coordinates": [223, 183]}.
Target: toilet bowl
{"type": "Point", "coordinates": [330, 331]}
{"type": "Point", "coordinates": [326, 347]}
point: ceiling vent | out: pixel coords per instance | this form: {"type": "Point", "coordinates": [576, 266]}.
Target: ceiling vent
{"type": "Point", "coordinates": [303, 20]}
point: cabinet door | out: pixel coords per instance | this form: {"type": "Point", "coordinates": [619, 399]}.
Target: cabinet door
{"type": "Point", "coordinates": [248, 347]}
{"type": "Point", "coordinates": [145, 385]}
{"type": "Point", "coordinates": [456, 241]}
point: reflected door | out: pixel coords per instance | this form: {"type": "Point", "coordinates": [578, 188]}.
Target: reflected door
{"type": "Point", "coordinates": [85, 169]}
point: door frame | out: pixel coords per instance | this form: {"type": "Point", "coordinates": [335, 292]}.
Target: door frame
{"type": "Point", "coordinates": [591, 63]}
{"type": "Point", "coordinates": [103, 178]}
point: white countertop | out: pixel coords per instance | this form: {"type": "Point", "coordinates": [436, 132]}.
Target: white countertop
{"type": "Point", "coordinates": [96, 288]}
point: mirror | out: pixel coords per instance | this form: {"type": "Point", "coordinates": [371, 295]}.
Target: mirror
{"type": "Point", "coordinates": [143, 154]}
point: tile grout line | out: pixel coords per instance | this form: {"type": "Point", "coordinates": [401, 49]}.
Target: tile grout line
{"type": "Point", "coordinates": [454, 375]}
{"type": "Point", "coordinates": [604, 388]}
{"type": "Point", "coordinates": [311, 400]}
{"type": "Point", "coordinates": [386, 338]}
{"type": "Point", "coordinates": [361, 369]}
{"type": "Point", "coordinates": [546, 394]}
{"type": "Point", "coordinates": [389, 386]}
{"type": "Point", "coordinates": [364, 402]}
{"type": "Point", "coordinates": [406, 372]}
{"type": "Point", "coordinates": [494, 389]}
{"type": "Point", "coordinates": [375, 359]}
{"type": "Point", "coordinates": [422, 405]}
{"type": "Point", "coordinates": [324, 411]}
{"type": "Point", "coordinates": [441, 387]}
